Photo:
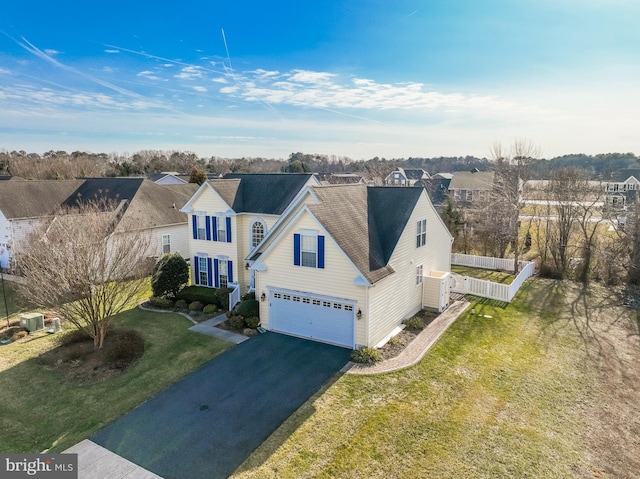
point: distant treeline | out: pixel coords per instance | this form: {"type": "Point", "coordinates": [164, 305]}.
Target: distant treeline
{"type": "Point", "coordinates": [78, 164]}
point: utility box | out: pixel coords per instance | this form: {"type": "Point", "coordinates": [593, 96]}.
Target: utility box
{"type": "Point", "coordinates": [436, 291]}
{"type": "Point", "coordinates": [32, 321]}
{"type": "Point", "coordinates": [55, 325]}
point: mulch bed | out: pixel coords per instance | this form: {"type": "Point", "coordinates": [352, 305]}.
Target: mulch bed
{"type": "Point", "coordinates": [400, 341]}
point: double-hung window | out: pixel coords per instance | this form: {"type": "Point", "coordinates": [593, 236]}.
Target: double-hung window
{"type": "Point", "coordinates": [222, 228]}
{"type": "Point", "coordinates": [166, 244]}
{"type": "Point", "coordinates": [223, 278]}
{"type": "Point", "coordinates": [419, 273]}
{"type": "Point", "coordinates": [421, 237]}
{"type": "Point", "coordinates": [203, 270]}
{"type": "Point", "coordinates": [309, 250]}
{"type": "Point", "coordinates": [202, 228]}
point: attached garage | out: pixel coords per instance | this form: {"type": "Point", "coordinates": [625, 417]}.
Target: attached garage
{"type": "Point", "coordinates": [321, 318]}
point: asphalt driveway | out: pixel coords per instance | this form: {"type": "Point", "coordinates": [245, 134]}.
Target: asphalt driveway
{"type": "Point", "coordinates": [205, 425]}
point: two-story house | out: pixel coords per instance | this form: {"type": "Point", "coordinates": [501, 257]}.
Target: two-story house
{"type": "Point", "coordinates": [471, 187]}
{"type": "Point", "coordinates": [229, 217]}
{"type": "Point", "coordinates": [406, 177]}
{"type": "Point", "coordinates": [346, 264]}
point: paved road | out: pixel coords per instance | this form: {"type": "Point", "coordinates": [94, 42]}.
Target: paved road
{"type": "Point", "coordinates": [205, 425]}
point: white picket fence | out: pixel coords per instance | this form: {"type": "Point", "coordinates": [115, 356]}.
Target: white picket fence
{"type": "Point", "coordinates": [489, 289]}
{"type": "Point", "coordinates": [234, 296]}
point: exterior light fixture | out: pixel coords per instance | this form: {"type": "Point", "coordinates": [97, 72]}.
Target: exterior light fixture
{"type": "Point", "coordinates": [263, 296]}
{"type": "Point", "coordinates": [359, 313]}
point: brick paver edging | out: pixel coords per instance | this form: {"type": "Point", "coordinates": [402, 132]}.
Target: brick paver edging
{"type": "Point", "coordinates": [416, 350]}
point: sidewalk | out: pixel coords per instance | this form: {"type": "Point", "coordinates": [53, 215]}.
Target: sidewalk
{"type": "Point", "coordinates": [415, 351]}
{"type": "Point", "coordinates": [96, 462]}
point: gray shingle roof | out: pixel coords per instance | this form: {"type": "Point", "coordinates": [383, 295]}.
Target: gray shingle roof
{"type": "Point", "coordinates": [472, 180]}
{"type": "Point", "coordinates": [269, 193]}
{"type": "Point", "coordinates": [366, 222]}
{"type": "Point", "coordinates": [147, 204]}
{"type": "Point", "coordinates": [36, 198]}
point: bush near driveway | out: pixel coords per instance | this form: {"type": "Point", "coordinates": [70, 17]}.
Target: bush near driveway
{"type": "Point", "coordinates": [42, 411]}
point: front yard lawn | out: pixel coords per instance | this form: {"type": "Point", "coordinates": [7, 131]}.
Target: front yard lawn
{"type": "Point", "coordinates": [546, 387]}
{"type": "Point", "coordinates": [42, 410]}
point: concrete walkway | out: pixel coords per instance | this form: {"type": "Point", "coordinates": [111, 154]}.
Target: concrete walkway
{"type": "Point", "coordinates": [415, 351]}
{"type": "Point", "coordinates": [96, 462]}
{"type": "Point", "coordinates": [207, 327]}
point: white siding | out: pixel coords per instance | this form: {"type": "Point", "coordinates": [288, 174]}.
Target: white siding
{"type": "Point", "coordinates": [334, 280]}
{"type": "Point", "coordinates": [397, 297]}
{"type": "Point", "coordinates": [179, 239]}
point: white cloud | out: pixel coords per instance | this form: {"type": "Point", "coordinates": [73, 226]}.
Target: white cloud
{"type": "Point", "coordinates": [4, 71]}
{"type": "Point", "coordinates": [229, 89]}
{"type": "Point", "coordinates": [50, 51]}
{"type": "Point", "coordinates": [190, 72]}
{"type": "Point", "coordinates": [112, 51]}
{"type": "Point", "coordinates": [220, 80]}
{"type": "Point", "coordinates": [306, 76]}
{"type": "Point", "coordinates": [199, 88]}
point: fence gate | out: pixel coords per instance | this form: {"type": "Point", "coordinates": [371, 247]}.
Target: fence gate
{"type": "Point", "coordinates": [458, 283]}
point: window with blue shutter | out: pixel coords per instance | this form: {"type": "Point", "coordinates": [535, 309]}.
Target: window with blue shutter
{"type": "Point", "coordinates": [214, 220]}
{"type": "Point", "coordinates": [230, 271]}
{"type": "Point", "coordinates": [308, 250]}
{"type": "Point", "coordinates": [209, 272]}
{"type": "Point", "coordinates": [296, 249]}
{"type": "Point", "coordinates": [194, 221]}
{"type": "Point", "coordinates": [196, 270]}
{"type": "Point", "coordinates": [208, 226]}
{"type": "Point", "coordinates": [216, 273]}
{"type": "Point", "coordinates": [228, 221]}
{"type": "Point", "coordinates": [320, 251]}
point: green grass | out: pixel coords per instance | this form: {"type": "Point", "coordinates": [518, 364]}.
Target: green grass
{"type": "Point", "coordinates": [486, 274]}
{"type": "Point", "coordinates": [500, 395]}
{"type": "Point", "coordinates": [41, 410]}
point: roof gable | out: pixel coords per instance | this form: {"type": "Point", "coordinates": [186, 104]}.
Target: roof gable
{"type": "Point", "coordinates": [365, 222]}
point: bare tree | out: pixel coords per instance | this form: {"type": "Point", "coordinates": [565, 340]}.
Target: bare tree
{"type": "Point", "coordinates": [512, 172]}
{"type": "Point", "coordinates": [76, 265]}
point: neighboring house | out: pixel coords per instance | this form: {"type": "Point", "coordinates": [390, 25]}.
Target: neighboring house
{"type": "Point", "coordinates": [406, 177]}
{"type": "Point", "coordinates": [168, 178]}
{"type": "Point", "coordinates": [346, 264]}
{"type": "Point", "coordinates": [145, 206]}
{"type": "Point", "coordinates": [229, 217]}
{"type": "Point", "coordinates": [437, 187]}
{"type": "Point", "coordinates": [471, 186]}
{"type": "Point", "coordinates": [621, 190]}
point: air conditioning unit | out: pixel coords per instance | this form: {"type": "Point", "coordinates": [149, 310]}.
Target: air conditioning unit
{"type": "Point", "coordinates": [32, 321]}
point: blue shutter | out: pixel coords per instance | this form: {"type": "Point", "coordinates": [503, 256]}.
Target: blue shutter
{"type": "Point", "coordinates": [214, 221]}
{"type": "Point", "coordinates": [195, 226]}
{"type": "Point", "coordinates": [296, 249]}
{"type": "Point", "coordinates": [230, 271]}
{"type": "Point", "coordinates": [207, 223]}
{"type": "Point", "coordinates": [215, 274]}
{"type": "Point", "coordinates": [209, 272]}
{"type": "Point", "coordinates": [196, 270]}
{"type": "Point", "coordinates": [228, 231]}
{"type": "Point", "coordinates": [320, 251]}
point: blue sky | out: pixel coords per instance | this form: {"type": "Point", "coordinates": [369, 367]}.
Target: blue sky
{"type": "Point", "coordinates": [362, 78]}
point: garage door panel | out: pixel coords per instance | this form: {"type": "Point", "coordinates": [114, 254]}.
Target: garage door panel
{"type": "Point", "coordinates": [314, 317]}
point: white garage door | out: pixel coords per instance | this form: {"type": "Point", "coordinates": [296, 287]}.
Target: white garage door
{"type": "Point", "coordinates": [330, 320]}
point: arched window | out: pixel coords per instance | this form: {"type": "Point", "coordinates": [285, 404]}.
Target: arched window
{"type": "Point", "coordinates": [257, 233]}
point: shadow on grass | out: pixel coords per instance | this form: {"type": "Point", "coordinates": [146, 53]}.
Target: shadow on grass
{"type": "Point", "coordinates": [594, 314]}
